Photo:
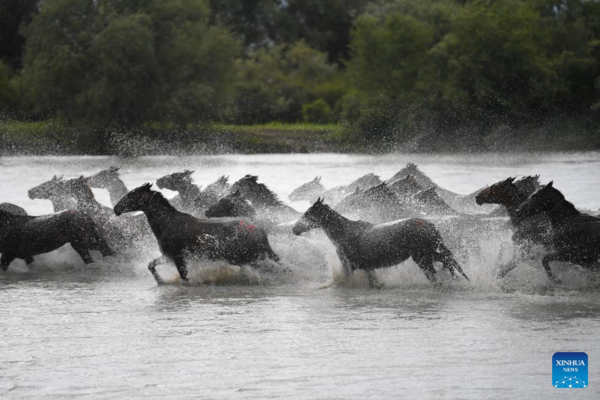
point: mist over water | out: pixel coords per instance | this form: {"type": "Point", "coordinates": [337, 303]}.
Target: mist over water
{"type": "Point", "coordinates": [107, 329]}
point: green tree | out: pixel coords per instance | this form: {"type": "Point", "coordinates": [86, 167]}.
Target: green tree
{"type": "Point", "coordinates": [274, 83]}
{"type": "Point", "coordinates": [14, 15]}
{"type": "Point", "coordinates": [126, 62]}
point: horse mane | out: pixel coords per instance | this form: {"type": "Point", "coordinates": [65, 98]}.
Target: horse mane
{"type": "Point", "coordinates": [162, 200]}
{"type": "Point", "coordinates": [258, 191]}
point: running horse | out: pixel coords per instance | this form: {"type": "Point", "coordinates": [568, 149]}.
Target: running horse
{"type": "Point", "coordinates": [365, 246]}
{"type": "Point", "coordinates": [110, 180]}
{"type": "Point", "coordinates": [180, 235]}
{"type": "Point", "coordinates": [23, 236]}
{"type": "Point", "coordinates": [191, 198]}
{"type": "Point", "coordinates": [576, 236]}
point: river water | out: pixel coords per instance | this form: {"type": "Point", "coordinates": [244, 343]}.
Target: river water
{"type": "Point", "coordinates": [108, 331]}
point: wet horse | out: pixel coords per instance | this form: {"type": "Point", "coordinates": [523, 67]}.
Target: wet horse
{"type": "Point", "coordinates": [191, 198]}
{"type": "Point", "coordinates": [23, 236]}
{"type": "Point", "coordinates": [218, 188]}
{"type": "Point", "coordinates": [336, 194]}
{"type": "Point", "coordinates": [266, 203]}
{"type": "Point", "coordinates": [376, 204]}
{"type": "Point", "coordinates": [575, 236]}
{"type": "Point", "coordinates": [54, 190]}
{"type": "Point", "coordinates": [180, 235]}
{"type": "Point", "coordinates": [365, 246]}
{"type": "Point", "coordinates": [309, 191]}
{"type": "Point", "coordinates": [405, 187]}
{"type": "Point", "coordinates": [110, 180]}
{"type": "Point", "coordinates": [13, 209]}
{"type": "Point", "coordinates": [232, 205]}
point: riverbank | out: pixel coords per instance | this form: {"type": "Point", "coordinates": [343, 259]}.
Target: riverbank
{"type": "Point", "coordinates": [53, 137]}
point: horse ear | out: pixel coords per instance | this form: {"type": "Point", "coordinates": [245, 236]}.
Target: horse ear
{"type": "Point", "coordinates": [114, 169]}
{"type": "Point", "coordinates": [147, 186]}
{"type": "Point", "coordinates": [550, 184]}
{"type": "Point", "coordinates": [511, 180]}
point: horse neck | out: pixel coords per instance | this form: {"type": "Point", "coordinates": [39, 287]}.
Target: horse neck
{"type": "Point", "coordinates": [159, 213]}
{"type": "Point", "coordinates": [117, 190]}
{"type": "Point", "coordinates": [335, 226]}
{"type": "Point", "coordinates": [59, 202]}
{"type": "Point", "coordinates": [189, 192]}
{"type": "Point", "coordinates": [512, 201]}
{"type": "Point", "coordinates": [87, 202]}
{"type": "Point", "coordinates": [562, 213]}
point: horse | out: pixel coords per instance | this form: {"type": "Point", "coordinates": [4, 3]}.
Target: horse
{"type": "Point", "coordinates": [454, 200]}
{"type": "Point", "coordinates": [24, 236]}
{"type": "Point", "coordinates": [336, 194]}
{"type": "Point", "coordinates": [191, 197]}
{"type": "Point", "coordinates": [13, 209]}
{"type": "Point", "coordinates": [266, 203]}
{"type": "Point", "coordinates": [218, 188]}
{"type": "Point", "coordinates": [535, 230]}
{"type": "Point", "coordinates": [179, 235]}
{"type": "Point", "coordinates": [54, 190]}
{"type": "Point", "coordinates": [576, 236]}
{"type": "Point", "coordinates": [405, 187]}
{"type": "Point", "coordinates": [365, 246]}
{"type": "Point", "coordinates": [308, 191]}
{"type": "Point", "coordinates": [110, 180]}
{"type": "Point", "coordinates": [232, 205]}
{"type": "Point", "coordinates": [376, 204]}
{"type": "Point", "coordinates": [120, 232]}
{"type": "Point", "coordinates": [429, 202]}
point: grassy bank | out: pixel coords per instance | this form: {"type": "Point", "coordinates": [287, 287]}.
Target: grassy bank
{"type": "Point", "coordinates": [56, 137]}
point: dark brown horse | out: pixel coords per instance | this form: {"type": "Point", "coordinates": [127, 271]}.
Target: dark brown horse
{"type": "Point", "coordinates": [232, 205]}
{"type": "Point", "coordinates": [26, 236]}
{"type": "Point", "coordinates": [180, 235]}
{"type": "Point", "coordinates": [362, 245]}
{"type": "Point", "coordinates": [265, 202]}
{"type": "Point", "coordinates": [575, 236]}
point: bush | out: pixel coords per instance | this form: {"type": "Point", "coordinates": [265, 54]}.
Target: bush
{"type": "Point", "coordinates": [317, 112]}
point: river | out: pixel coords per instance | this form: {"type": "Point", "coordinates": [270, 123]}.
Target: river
{"type": "Point", "coordinates": [108, 331]}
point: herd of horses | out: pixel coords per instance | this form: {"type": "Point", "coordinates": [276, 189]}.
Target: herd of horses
{"type": "Point", "coordinates": [372, 223]}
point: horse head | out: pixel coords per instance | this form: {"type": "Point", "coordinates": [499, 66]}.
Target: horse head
{"type": "Point", "coordinates": [220, 187]}
{"type": "Point", "coordinates": [528, 184]}
{"type": "Point", "coordinates": [135, 200]}
{"type": "Point", "coordinates": [52, 188]}
{"type": "Point", "coordinates": [542, 200]}
{"type": "Point", "coordinates": [232, 205]}
{"type": "Point", "coordinates": [307, 190]}
{"type": "Point", "coordinates": [104, 178]}
{"type": "Point", "coordinates": [175, 181]}
{"type": "Point", "coordinates": [313, 218]}
{"type": "Point", "coordinates": [79, 188]}
{"type": "Point", "coordinates": [499, 193]}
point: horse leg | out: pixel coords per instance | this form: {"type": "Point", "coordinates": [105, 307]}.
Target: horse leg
{"type": "Point", "coordinates": [373, 281]}
{"type": "Point", "coordinates": [182, 269]}
{"type": "Point", "coordinates": [6, 260]}
{"type": "Point", "coordinates": [556, 256]}
{"type": "Point", "coordinates": [83, 252]}
{"type": "Point", "coordinates": [426, 264]}
{"type": "Point", "coordinates": [152, 268]}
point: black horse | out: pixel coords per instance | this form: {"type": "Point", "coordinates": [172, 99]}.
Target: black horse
{"type": "Point", "coordinates": [26, 236]}
{"type": "Point", "coordinates": [362, 245]}
{"type": "Point", "coordinates": [191, 198]}
{"type": "Point", "coordinates": [55, 191]}
{"type": "Point", "coordinates": [232, 205]}
{"type": "Point", "coordinates": [576, 236]}
{"type": "Point", "coordinates": [266, 203]}
{"type": "Point", "coordinates": [13, 209]}
{"type": "Point", "coordinates": [110, 180]}
{"type": "Point", "coordinates": [180, 235]}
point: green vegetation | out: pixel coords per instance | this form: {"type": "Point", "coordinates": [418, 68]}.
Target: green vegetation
{"type": "Point", "coordinates": [310, 75]}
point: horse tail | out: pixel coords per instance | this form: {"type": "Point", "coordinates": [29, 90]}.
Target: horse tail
{"type": "Point", "coordinates": [448, 260]}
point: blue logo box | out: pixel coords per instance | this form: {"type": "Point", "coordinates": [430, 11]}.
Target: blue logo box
{"type": "Point", "coordinates": [570, 370]}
